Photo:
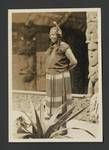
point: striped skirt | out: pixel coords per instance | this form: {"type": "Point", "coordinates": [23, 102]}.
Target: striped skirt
{"type": "Point", "coordinates": [58, 89]}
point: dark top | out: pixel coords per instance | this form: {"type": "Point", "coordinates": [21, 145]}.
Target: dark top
{"type": "Point", "coordinates": [56, 59]}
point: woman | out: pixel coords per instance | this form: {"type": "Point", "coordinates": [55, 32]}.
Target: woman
{"type": "Point", "coordinates": [59, 60]}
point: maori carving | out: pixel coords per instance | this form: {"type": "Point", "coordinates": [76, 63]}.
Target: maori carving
{"type": "Point", "coordinates": [27, 50]}
{"type": "Point", "coordinates": [92, 41]}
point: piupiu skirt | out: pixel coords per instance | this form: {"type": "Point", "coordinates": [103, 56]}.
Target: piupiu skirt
{"type": "Point", "coordinates": [58, 92]}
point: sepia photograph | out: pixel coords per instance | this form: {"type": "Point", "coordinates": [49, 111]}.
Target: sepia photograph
{"type": "Point", "coordinates": [55, 75]}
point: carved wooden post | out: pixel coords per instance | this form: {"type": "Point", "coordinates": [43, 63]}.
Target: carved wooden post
{"type": "Point", "coordinates": [27, 50]}
{"type": "Point", "coordinates": [92, 41]}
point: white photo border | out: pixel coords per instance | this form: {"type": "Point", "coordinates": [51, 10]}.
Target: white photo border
{"type": "Point", "coordinates": [10, 12]}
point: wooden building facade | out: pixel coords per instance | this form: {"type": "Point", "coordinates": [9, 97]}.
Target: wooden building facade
{"type": "Point", "coordinates": [74, 27]}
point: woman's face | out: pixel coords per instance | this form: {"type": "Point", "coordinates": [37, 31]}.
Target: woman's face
{"type": "Point", "coordinates": [53, 36]}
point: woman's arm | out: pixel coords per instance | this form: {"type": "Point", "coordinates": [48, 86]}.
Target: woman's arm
{"type": "Point", "coordinates": [71, 57]}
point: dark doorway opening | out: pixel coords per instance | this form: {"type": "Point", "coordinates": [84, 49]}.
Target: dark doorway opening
{"type": "Point", "coordinates": [79, 75]}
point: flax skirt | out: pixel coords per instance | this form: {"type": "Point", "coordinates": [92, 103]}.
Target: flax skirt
{"type": "Point", "coordinates": [58, 89]}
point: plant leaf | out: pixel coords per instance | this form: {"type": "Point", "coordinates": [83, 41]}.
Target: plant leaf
{"type": "Point", "coordinates": [61, 122]}
{"type": "Point", "coordinates": [39, 126]}
{"type": "Point", "coordinates": [58, 110]}
{"type": "Point", "coordinates": [23, 130]}
{"type": "Point", "coordinates": [76, 114]}
{"type": "Point", "coordinates": [58, 123]}
{"type": "Point", "coordinates": [59, 131]}
{"type": "Point", "coordinates": [37, 120]}
{"type": "Point", "coordinates": [63, 119]}
{"type": "Point", "coordinates": [53, 119]}
{"type": "Point", "coordinates": [32, 123]}
{"type": "Point", "coordinates": [85, 131]}
{"type": "Point", "coordinates": [56, 133]}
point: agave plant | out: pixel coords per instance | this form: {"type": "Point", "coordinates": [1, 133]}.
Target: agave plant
{"type": "Point", "coordinates": [50, 128]}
